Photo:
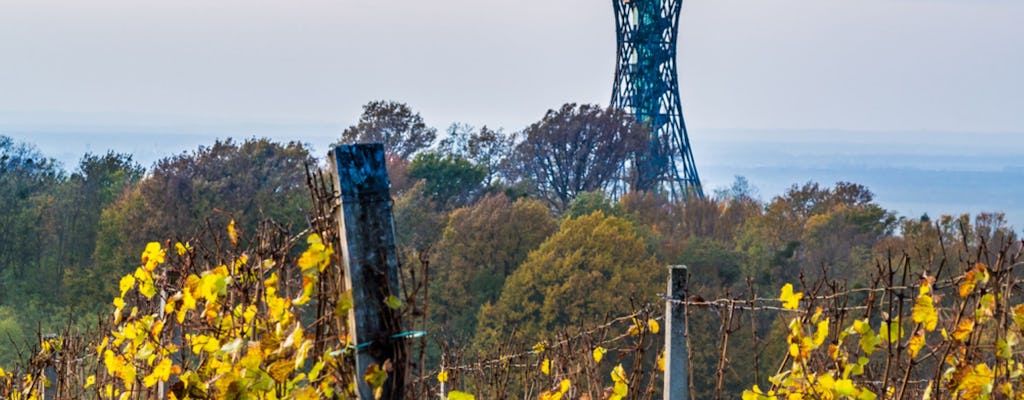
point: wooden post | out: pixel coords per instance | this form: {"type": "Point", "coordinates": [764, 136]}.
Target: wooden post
{"type": "Point", "coordinates": [371, 264]}
{"type": "Point", "coordinates": [676, 373]}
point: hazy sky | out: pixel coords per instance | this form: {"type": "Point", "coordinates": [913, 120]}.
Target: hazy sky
{"type": "Point", "coordinates": [906, 65]}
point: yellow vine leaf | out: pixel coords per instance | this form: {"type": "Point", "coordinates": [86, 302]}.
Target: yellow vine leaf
{"type": "Point", "coordinates": [153, 255]}
{"type": "Point", "coordinates": [756, 393]}
{"type": "Point", "coordinates": [599, 353]}
{"type": "Point", "coordinates": [924, 310]}
{"type": "Point", "coordinates": [545, 366]}
{"type": "Point", "coordinates": [790, 300]}
{"type": "Point", "coordinates": [442, 376]}
{"type": "Point", "coordinates": [916, 343]}
{"type": "Point", "coordinates": [653, 325]}
{"type": "Point", "coordinates": [181, 249]}
{"type": "Point", "coordinates": [281, 369]}
{"type": "Point", "coordinates": [986, 308]}
{"type": "Point", "coordinates": [963, 329]}
{"type": "Point", "coordinates": [161, 373]}
{"type": "Point", "coordinates": [868, 339]}
{"type": "Point", "coordinates": [126, 284]}
{"type": "Point", "coordinates": [551, 395]}
{"type": "Point", "coordinates": [1004, 349]}
{"type": "Point", "coordinates": [619, 374]}
{"type": "Point", "coordinates": [1018, 315]}
{"type": "Point", "coordinates": [375, 376]}
{"type": "Point", "coordinates": [345, 303]}
{"type": "Point", "coordinates": [232, 233]}
{"type": "Point", "coordinates": [317, 256]}
{"type": "Point", "coordinates": [393, 302]}
{"type": "Point", "coordinates": [563, 388]}
{"type": "Point", "coordinates": [977, 384]}
{"type": "Point", "coordinates": [145, 279]}
{"type": "Point", "coordinates": [1006, 389]}
{"type": "Point", "coordinates": [457, 395]}
{"type": "Point", "coordinates": [634, 329]}
{"type": "Point", "coordinates": [844, 387]}
{"type": "Point", "coordinates": [308, 285]}
{"type": "Point", "coordinates": [976, 276]}
{"type": "Point", "coordinates": [892, 331]}
{"type": "Point", "coordinates": [821, 333]}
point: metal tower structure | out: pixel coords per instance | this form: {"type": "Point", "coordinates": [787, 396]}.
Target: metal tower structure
{"type": "Point", "coordinates": [646, 85]}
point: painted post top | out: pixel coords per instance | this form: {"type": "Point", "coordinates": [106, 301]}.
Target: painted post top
{"type": "Point", "coordinates": [361, 170]}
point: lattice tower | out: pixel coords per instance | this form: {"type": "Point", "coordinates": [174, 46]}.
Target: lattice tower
{"type": "Point", "coordinates": [646, 85]}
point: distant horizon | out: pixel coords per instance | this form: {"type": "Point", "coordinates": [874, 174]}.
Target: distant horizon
{"type": "Point", "coordinates": [906, 177]}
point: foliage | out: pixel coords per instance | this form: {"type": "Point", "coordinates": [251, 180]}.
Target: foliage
{"type": "Point", "coordinates": [10, 331]}
{"type": "Point", "coordinates": [919, 337]}
{"type": "Point", "coordinates": [418, 222]}
{"type": "Point", "coordinates": [487, 148]}
{"type": "Point", "coordinates": [587, 203]}
{"type": "Point", "coordinates": [488, 280]}
{"type": "Point", "coordinates": [252, 180]}
{"type": "Point", "coordinates": [481, 246]}
{"type": "Point", "coordinates": [450, 180]}
{"type": "Point", "coordinates": [394, 124]}
{"type": "Point", "coordinates": [593, 266]}
{"type": "Point", "coordinates": [577, 149]}
{"type": "Point", "coordinates": [819, 229]}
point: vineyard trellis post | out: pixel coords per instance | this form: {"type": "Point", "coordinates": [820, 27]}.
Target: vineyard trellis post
{"type": "Point", "coordinates": [371, 265]}
{"type": "Point", "coordinates": [676, 371]}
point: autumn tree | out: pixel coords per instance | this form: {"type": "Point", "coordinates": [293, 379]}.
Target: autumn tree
{"type": "Point", "coordinates": [593, 266]}
{"type": "Point", "coordinates": [450, 180]}
{"type": "Point", "coordinates": [418, 222]}
{"type": "Point", "coordinates": [577, 149]}
{"type": "Point", "coordinates": [402, 131]}
{"type": "Point", "coordinates": [485, 147]}
{"type": "Point", "coordinates": [813, 229]}
{"type": "Point", "coordinates": [587, 202]}
{"type": "Point", "coordinates": [250, 181]}
{"type": "Point", "coordinates": [481, 246]}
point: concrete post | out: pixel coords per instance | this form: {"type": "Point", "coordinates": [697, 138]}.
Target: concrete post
{"type": "Point", "coordinates": [676, 373]}
{"type": "Point", "coordinates": [371, 263]}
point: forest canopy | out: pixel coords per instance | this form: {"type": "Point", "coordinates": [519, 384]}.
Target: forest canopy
{"type": "Point", "coordinates": [518, 237]}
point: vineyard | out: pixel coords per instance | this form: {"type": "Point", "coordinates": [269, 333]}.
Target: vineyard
{"type": "Point", "coordinates": [266, 315]}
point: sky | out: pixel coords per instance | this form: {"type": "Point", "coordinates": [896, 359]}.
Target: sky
{"type": "Point", "coordinates": [926, 80]}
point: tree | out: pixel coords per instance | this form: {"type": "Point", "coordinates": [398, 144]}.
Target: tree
{"type": "Point", "coordinates": [487, 148]}
{"type": "Point", "coordinates": [402, 131]}
{"type": "Point", "coordinates": [418, 223]}
{"type": "Point", "coordinates": [97, 182]}
{"type": "Point", "coordinates": [250, 182]}
{"type": "Point", "coordinates": [577, 149]}
{"type": "Point", "coordinates": [812, 228]}
{"type": "Point", "coordinates": [481, 246]}
{"type": "Point", "coordinates": [450, 180]}
{"type": "Point", "coordinates": [593, 266]}
{"type": "Point", "coordinates": [26, 177]}
{"type": "Point", "coordinates": [587, 202]}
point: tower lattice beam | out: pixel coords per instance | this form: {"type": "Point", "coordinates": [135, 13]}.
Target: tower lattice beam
{"type": "Point", "coordinates": [646, 85]}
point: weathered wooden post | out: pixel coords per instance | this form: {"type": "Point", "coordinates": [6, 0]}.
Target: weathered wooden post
{"type": "Point", "coordinates": [371, 265]}
{"type": "Point", "coordinates": [676, 374]}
